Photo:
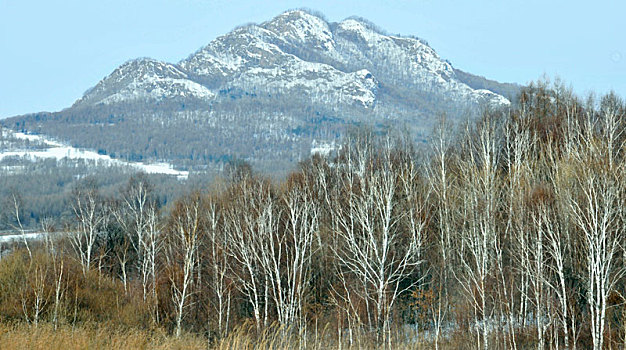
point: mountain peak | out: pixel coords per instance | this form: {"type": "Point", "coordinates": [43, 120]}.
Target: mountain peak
{"type": "Point", "coordinates": [300, 26]}
{"type": "Point", "coordinates": [362, 23]}
{"type": "Point", "coordinates": [303, 14]}
{"type": "Point", "coordinates": [265, 91]}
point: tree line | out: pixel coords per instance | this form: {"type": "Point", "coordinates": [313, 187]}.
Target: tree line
{"type": "Point", "coordinates": [509, 233]}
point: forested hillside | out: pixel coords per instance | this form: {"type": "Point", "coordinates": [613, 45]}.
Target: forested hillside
{"type": "Point", "coordinates": [507, 234]}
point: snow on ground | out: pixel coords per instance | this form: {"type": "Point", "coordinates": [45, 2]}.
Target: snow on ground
{"type": "Point", "coordinates": [322, 148]}
{"type": "Point", "coordinates": [59, 151]}
{"type": "Point", "coordinates": [15, 237]}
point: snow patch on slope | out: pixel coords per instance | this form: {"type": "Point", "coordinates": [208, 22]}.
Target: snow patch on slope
{"type": "Point", "coordinates": [323, 148]}
{"type": "Point", "coordinates": [58, 151]}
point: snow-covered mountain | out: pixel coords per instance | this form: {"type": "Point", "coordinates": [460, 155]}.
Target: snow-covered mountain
{"type": "Point", "coordinates": [295, 53]}
{"type": "Point", "coordinates": [266, 92]}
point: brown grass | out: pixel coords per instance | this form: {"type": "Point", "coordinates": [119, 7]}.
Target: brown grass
{"type": "Point", "coordinates": [100, 336]}
{"type": "Point", "coordinates": [22, 336]}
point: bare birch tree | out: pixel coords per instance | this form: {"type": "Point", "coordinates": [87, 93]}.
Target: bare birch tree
{"type": "Point", "coordinates": [183, 241]}
{"type": "Point", "coordinates": [595, 202]}
{"type": "Point", "coordinates": [520, 164]}
{"type": "Point", "coordinates": [133, 215]}
{"type": "Point", "coordinates": [219, 283]}
{"type": "Point", "coordinates": [91, 215]}
{"type": "Point", "coordinates": [35, 298]}
{"type": "Point", "coordinates": [442, 187]}
{"type": "Point", "coordinates": [250, 220]}
{"type": "Point", "coordinates": [480, 189]}
{"type": "Point", "coordinates": [153, 248]}
{"type": "Point", "coordinates": [16, 206]}
{"type": "Point", "coordinates": [374, 247]}
{"type": "Point", "coordinates": [291, 277]}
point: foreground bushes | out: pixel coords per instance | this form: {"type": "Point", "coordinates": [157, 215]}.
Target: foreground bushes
{"type": "Point", "coordinates": [28, 292]}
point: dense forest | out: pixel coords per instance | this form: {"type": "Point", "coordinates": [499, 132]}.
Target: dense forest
{"type": "Point", "coordinates": [41, 188]}
{"type": "Point", "coordinates": [508, 234]}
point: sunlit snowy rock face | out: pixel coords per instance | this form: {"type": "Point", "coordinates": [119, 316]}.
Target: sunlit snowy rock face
{"type": "Point", "coordinates": [266, 92]}
{"type": "Point", "coordinates": [145, 80]}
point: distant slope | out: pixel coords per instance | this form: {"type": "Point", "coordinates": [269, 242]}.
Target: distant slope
{"type": "Point", "coordinates": [22, 147]}
{"type": "Point", "coordinates": [508, 90]}
{"type": "Point", "coordinates": [268, 92]}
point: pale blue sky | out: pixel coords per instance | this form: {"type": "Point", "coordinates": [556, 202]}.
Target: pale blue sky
{"type": "Point", "coordinates": [51, 51]}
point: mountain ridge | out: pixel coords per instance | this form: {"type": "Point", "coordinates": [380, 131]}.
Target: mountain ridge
{"type": "Point", "coordinates": [276, 86]}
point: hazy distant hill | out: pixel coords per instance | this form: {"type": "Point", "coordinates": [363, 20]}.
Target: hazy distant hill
{"type": "Point", "coordinates": [268, 92]}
